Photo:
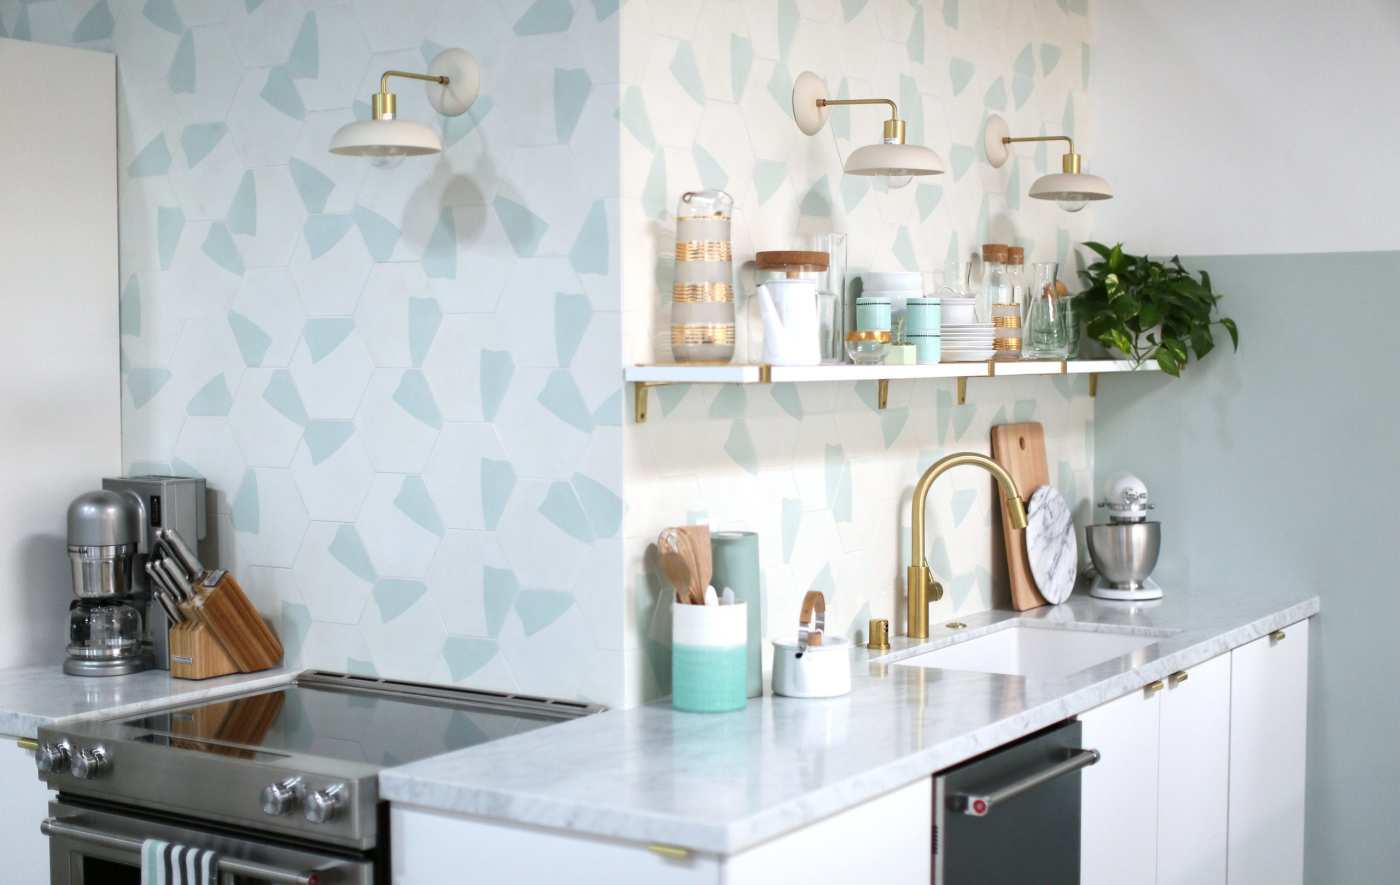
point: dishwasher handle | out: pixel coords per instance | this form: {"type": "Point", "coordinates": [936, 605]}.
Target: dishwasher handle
{"type": "Point", "coordinates": [52, 827]}
{"type": "Point", "coordinates": [981, 804]}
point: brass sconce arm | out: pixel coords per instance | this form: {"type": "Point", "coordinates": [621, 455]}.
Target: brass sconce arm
{"type": "Point", "coordinates": [894, 127]}
{"type": "Point", "coordinates": [431, 78]}
{"type": "Point", "coordinates": [1065, 138]}
{"type": "Point", "coordinates": [384, 104]}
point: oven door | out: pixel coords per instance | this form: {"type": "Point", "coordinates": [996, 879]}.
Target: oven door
{"type": "Point", "coordinates": [101, 845]}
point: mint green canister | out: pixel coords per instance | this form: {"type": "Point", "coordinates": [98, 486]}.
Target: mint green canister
{"type": "Point", "coordinates": [735, 557]}
{"type": "Point", "coordinates": [709, 657]}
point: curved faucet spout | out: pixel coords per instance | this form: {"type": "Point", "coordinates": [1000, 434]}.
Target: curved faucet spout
{"type": "Point", "coordinates": [922, 589]}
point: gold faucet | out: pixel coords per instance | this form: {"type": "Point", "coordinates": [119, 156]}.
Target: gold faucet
{"type": "Point", "coordinates": [922, 587]}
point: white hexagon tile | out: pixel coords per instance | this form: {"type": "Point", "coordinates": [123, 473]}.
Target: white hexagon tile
{"type": "Point", "coordinates": [402, 383]}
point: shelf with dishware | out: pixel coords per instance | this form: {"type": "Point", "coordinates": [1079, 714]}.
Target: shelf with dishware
{"type": "Point", "coordinates": [645, 377]}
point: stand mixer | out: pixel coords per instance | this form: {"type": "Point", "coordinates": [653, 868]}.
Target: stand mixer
{"type": "Point", "coordinates": [1124, 550]}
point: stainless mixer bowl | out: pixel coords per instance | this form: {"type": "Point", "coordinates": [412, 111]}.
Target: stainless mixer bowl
{"type": "Point", "coordinates": [1125, 553]}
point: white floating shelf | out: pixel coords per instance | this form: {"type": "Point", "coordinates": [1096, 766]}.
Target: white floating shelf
{"type": "Point", "coordinates": [646, 377]}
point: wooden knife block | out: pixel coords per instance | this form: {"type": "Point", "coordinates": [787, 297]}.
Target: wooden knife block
{"type": "Point", "coordinates": [223, 633]}
{"type": "Point", "coordinates": [196, 654]}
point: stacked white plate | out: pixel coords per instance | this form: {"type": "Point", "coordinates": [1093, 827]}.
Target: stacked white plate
{"type": "Point", "coordinates": [968, 342]}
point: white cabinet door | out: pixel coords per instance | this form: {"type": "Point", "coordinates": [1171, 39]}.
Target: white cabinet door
{"type": "Point", "coordinates": [1118, 833]}
{"type": "Point", "coordinates": [1193, 785]}
{"type": "Point", "coordinates": [24, 802]}
{"type": "Point", "coordinates": [1268, 754]}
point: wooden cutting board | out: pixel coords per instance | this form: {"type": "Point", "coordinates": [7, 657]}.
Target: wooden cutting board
{"type": "Point", "coordinates": [1020, 449]}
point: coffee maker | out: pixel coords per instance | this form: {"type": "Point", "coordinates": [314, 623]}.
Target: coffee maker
{"type": "Point", "coordinates": [115, 625]}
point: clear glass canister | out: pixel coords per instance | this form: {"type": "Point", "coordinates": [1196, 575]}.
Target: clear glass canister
{"type": "Point", "coordinates": [702, 295]}
{"type": "Point", "coordinates": [1047, 331]}
{"type": "Point", "coordinates": [999, 294]}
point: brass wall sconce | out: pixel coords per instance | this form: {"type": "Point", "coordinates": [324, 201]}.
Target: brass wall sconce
{"type": "Point", "coordinates": [453, 83]}
{"type": "Point", "coordinates": [811, 106]}
{"type": "Point", "coordinates": [1070, 188]}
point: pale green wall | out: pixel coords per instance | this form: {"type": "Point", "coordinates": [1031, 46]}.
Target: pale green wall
{"type": "Point", "coordinates": [1279, 465]}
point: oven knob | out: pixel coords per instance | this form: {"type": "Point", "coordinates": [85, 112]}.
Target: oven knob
{"type": "Point", "coordinates": [52, 758]}
{"type": "Point", "coordinates": [321, 805]}
{"type": "Point", "coordinates": [280, 798]}
{"type": "Point", "coordinates": [90, 762]}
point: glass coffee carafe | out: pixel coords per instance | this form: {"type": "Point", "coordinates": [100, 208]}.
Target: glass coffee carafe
{"type": "Point", "coordinates": [1047, 332]}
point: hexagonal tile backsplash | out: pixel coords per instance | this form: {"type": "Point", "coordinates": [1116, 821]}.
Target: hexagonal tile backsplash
{"type": "Point", "coordinates": [402, 382]}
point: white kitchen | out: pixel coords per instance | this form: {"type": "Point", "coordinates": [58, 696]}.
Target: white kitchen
{"type": "Point", "coordinates": [731, 441]}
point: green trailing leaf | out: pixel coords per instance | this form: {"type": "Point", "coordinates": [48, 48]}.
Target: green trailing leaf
{"type": "Point", "coordinates": [1234, 331]}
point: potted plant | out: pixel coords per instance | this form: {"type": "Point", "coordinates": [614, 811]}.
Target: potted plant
{"type": "Point", "coordinates": [1150, 310]}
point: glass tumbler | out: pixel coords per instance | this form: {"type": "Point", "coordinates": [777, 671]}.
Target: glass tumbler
{"type": "Point", "coordinates": [1047, 327]}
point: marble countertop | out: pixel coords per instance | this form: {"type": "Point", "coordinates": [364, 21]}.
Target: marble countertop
{"type": "Point", "coordinates": [724, 783]}
{"type": "Point", "coordinates": [35, 696]}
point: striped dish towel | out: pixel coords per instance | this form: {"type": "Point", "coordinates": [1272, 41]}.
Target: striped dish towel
{"type": "Point", "coordinates": [166, 863]}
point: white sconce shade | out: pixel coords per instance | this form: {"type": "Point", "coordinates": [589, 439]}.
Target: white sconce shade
{"type": "Point", "coordinates": [894, 160]}
{"type": "Point", "coordinates": [385, 138]}
{"type": "Point", "coordinates": [453, 82]}
{"type": "Point", "coordinates": [1071, 188]}
{"type": "Point", "coordinates": [891, 157]}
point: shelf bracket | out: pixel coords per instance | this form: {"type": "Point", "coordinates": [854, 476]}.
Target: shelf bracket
{"type": "Point", "coordinates": [639, 399]}
{"type": "Point", "coordinates": [962, 390]}
{"type": "Point", "coordinates": [883, 399]}
{"type": "Point", "coordinates": [1093, 384]}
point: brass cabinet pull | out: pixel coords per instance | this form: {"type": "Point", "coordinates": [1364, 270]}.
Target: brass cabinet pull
{"type": "Point", "coordinates": [1278, 635]}
{"type": "Point", "coordinates": [1152, 688]}
{"type": "Point", "coordinates": [674, 852]}
{"type": "Point", "coordinates": [27, 744]}
{"type": "Point", "coordinates": [1177, 678]}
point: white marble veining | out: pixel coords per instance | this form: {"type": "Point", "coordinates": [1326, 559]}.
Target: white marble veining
{"type": "Point", "coordinates": [35, 696]}
{"type": "Point", "coordinates": [724, 783]}
{"type": "Point", "coordinates": [1050, 544]}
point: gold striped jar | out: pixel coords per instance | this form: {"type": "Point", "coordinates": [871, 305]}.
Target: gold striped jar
{"type": "Point", "coordinates": [702, 294]}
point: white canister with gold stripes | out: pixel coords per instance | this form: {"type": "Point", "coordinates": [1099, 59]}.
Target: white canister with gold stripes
{"type": "Point", "coordinates": [702, 296]}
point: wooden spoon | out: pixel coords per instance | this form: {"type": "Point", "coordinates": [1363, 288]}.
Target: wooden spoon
{"type": "Point", "coordinates": [695, 592]}
{"type": "Point", "coordinates": [704, 554]}
{"type": "Point", "coordinates": [677, 571]}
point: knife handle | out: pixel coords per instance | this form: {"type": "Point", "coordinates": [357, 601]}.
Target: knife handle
{"type": "Point", "coordinates": [182, 552]}
{"type": "Point", "coordinates": [176, 578]}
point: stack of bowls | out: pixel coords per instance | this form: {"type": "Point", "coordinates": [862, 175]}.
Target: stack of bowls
{"type": "Point", "coordinates": [923, 328]}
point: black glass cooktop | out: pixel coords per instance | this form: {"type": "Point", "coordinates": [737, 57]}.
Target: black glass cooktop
{"type": "Point", "coordinates": [373, 721]}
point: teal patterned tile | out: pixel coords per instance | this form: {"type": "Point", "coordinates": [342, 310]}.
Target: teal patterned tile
{"type": "Point", "coordinates": [816, 203]}
{"type": "Point", "coordinates": [788, 18]}
{"type": "Point", "coordinates": [129, 307]}
{"type": "Point", "coordinates": [572, 314]}
{"type": "Point", "coordinates": [415, 397]}
{"type": "Point", "coordinates": [324, 438]}
{"type": "Point", "coordinates": [360, 667]}
{"type": "Point", "coordinates": [545, 17]}
{"type": "Point", "coordinates": [280, 92]}
{"type": "Point", "coordinates": [1084, 66]}
{"type": "Point", "coordinates": [440, 257]}
{"type": "Point", "coordinates": [22, 29]}
{"type": "Point", "coordinates": [497, 368]}
{"type": "Point", "coordinates": [838, 483]}
{"type": "Point", "coordinates": [294, 622]}
{"type": "Point", "coordinates": [604, 8]}
{"type": "Point", "coordinates": [323, 232]}
{"type": "Point", "coordinates": [853, 190]}
{"type": "Point", "coordinates": [561, 507]}
{"type": "Point", "coordinates": [609, 414]}
{"type": "Point", "coordinates": [1049, 58]}
{"type": "Point", "coordinates": [915, 44]}
{"type": "Point", "coordinates": [950, 13]}
{"type": "Point", "coordinates": [780, 87]}
{"type": "Point", "coordinates": [740, 64]}
{"type": "Point", "coordinates": [787, 398]}
{"type": "Point", "coordinates": [162, 14]}
{"type": "Point", "coordinates": [213, 400]}
{"type": "Point", "coordinates": [153, 159]}
{"type": "Point", "coordinates": [454, 129]}
{"type": "Point", "coordinates": [961, 156]}
{"type": "Point", "coordinates": [465, 655]}
{"type": "Point", "coordinates": [654, 194]}
{"type": "Point", "coordinates": [314, 186]}
{"type": "Point", "coordinates": [1023, 410]}
{"type": "Point", "coordinates": [1021, 88]}
{"type": "Point", "coordinates": [892, 424]}
{"type": "Point", "coordinates": [903, 249]}
{"type": "Point", "coordinates": [540, 608]}
{"type": "Point", "coordinates": [324, 334]}
{"type": "Point", "coordinates": [1024, 65]}
{"type": "Point", "coordinates": [349, 551]}
{"type": "Point", "coordinates": [560, 395]}
{"type": "Point", "coordinates": [953, 259]}
{"type": "Point", "coordinates": [380, 234]}
{"type": "Point", "coordinates": [635, 119]}
{"type": "Point", "coordinates": [963, 499]}
{"type": "Point", "coordinates": [497, 483]}
{"type": "Point", "coordinates": [200, 139]}
{"type": "Point", "coordinates": [792, 524]}
{"type": "Point", "coordinates": [424, 319]}
{"type": "Point", "coordinates": [852, 8]}
{"type": "Point", "coordinates": [927, 197]}
{"type": "Point", "coordinates": [740, 448]}
{"type": "Point", "coordinates": [143, 384]}
{"type": "Point", "coordinates": [253, 342]}
{"type": "Point", "coordinates": [712, 174]}
{"type": "Point", "coordinates": [730, 402]}
{"type": "Point", "coordinates": [414, 502]}
{"type": "Point", "coordinates": [242, 215]}
{"type": "Point", "coordinates": [523, 228]}
{"type": "Point", "coordinates": [995, 96]}
{"type": "Point", "coordinates": [281, 393]}
{"type": "Point", "coordinates": [97, 24]}
{"type": "Point", "coordinates": [222, 250]}
{"type": "Point", "coordinates": [840, 119]}
{"type": "Point", "coordinates": [247, 515]}
{"type": "Point", "coordinates": [960, 72]}
{"type": "Point", "coordinates": [1067, 121]}
{"type": "Point", "coordinates": [911, 107]}
{"type": "Point", "coordinates": [591, 250]}
{"type": "Point", "coordinates": [571, 89]}
{"type": "Point", "coordinates": [824, 582]}
{"type": "Point", "coordinates": [394, 596]}
{"type": "Point", "coordinates": [768, 176]}
{"type": "Point", "coordinates": [500, 587]}
{"type": "Point", "coordinates": [603, 506]}
{"type": "Point", "coordinates": [305, 60]}
{"type": "Point", "coordinates": [687, 72]}
{"type": "Point", "coordinates": [1013, 191]}
{"type": "Point", "coordinates": [962, 420]}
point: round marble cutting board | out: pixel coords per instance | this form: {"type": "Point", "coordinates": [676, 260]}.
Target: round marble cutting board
{"type": "Point", "coordinates": [1050, 546]}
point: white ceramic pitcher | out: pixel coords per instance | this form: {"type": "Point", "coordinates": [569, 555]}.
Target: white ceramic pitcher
{"type": "Point", "coordinates": [791, 322]}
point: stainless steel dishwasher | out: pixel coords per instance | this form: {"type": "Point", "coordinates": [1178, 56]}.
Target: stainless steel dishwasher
{"type": "Point", "coordinates": [1011, 816]}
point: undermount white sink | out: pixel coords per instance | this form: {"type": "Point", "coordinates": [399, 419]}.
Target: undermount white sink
{"type": "Point", "coordinates": [1038, 652]}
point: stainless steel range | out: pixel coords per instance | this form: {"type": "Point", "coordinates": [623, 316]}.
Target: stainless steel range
{"type": "Point", "coordinates": [282, 782]}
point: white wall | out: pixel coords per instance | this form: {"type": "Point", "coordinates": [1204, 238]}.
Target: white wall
{"type": "Point", "coordinates": [60, 422]}
{"type": "Point", "coordinates": [1247, 127]}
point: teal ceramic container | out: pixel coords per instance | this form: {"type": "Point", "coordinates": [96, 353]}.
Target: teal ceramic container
{"type": "Point", "coordinates": [923, 315]}
{"type": "Point", "coordinates": [873, 313]}
{"type": "Point", "coordinates": [929, 348]}
{"type": "Point", "coordinates": [709, 657]}
{"type": "Point", "coordinates": [735, 557]}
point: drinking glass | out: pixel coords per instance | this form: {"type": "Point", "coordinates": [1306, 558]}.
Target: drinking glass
{"type": "Point", "coordinates": [1047, 328]}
